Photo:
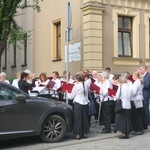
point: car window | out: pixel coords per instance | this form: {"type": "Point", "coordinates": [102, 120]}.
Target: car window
{"type": "Point", "coordinates": [7, 93]}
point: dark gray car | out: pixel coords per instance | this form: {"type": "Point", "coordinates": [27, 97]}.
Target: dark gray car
{"type": "Point", "coordinates": [22, 115]}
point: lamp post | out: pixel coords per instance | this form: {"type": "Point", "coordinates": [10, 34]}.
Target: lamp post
{"type": "Point", "coordinates": [69, 19]}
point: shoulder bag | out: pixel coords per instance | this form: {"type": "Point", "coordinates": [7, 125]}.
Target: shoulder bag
{"type": "Point", "coordinates": [118, 106]}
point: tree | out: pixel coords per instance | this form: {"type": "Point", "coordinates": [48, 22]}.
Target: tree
{"type": "Point", "coordinates": [10, 31]}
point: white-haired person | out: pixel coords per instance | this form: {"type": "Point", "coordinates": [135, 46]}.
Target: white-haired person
{"type": "Point", "coordinates": [30, 75]}
{"type": "Point", "coordinates": [28, 71]}
{"type": "Point", "coordinates": [123, 118]}
{"type": "Point", "coordinates": [79, 95]}
{"type": "Point", "coordinates": [98, 82]}
{"type": "Point", "coordinates": [15, 81]}
{"type": "Point", "coordinates": [127, 76]}
{"type": "Point", "coordinates": [3, 77]}
{"type": "Point", "coordinates": [94, 75]}
{"type": "Point", "coordinates": [107, 103]}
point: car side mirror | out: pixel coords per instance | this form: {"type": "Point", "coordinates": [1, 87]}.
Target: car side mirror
{"type": "Point", "coordinates": [20, 97]}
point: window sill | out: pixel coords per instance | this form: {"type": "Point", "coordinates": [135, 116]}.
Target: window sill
{"type": "Point", "coordinates": [147, 62]}
{"type": "Point", "coordinates": [4, 67]}
{"type": "Point", "coordinates": [14, 66]}
{"type": "Point", "coordinates": [24, 65]}
{"type": "Point", "coordinates": [54, 60]}
{"type": "Point", "coordinates": [127, 61]}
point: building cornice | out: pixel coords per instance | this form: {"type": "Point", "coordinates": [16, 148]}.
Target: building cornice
{"type": "Point", "coordinates": [93, 5]}
{"type": "Point", "coordinates": [136, 4]}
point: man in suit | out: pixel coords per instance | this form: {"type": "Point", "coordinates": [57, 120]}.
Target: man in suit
{"type": "Point", "coordinates": [146, 91]}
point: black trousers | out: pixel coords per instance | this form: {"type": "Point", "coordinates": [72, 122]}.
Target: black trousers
{"type": "Point", "coordinates": [81, 124]}
{"type": "Point", "coordinates": [123, 122]}
{"type": "Point", "coordinates": [136, 118]}
{"type": "Point", "coordinates": [146, 110]}
{"type": "Point", "coordinates": [108, 107]}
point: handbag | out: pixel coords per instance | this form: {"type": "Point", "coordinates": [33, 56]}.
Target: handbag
{"type": "Point", "coordinates": [92, 108]}
{"type": "Point", "coordinates": [118, 106]}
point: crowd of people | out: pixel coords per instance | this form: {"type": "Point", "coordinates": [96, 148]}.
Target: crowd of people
{"type": "Point", "coordinates": [133, 90]}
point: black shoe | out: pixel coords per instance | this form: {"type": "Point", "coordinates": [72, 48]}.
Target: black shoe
{"type": "Point", "coordinates": [133, 132]}
{"type": "Point", "coordinates": [115, 131]}
{"type": "Point", "coordinates": [84, 136]}
{"type": "Point", "coordinates": [139, 133]}
{"type": "Point", "coordinates": [106, 131]}
{"type": "Point", "coordinates": [123, 136]}
{"type": "Point", "coordinates": [77, 137]}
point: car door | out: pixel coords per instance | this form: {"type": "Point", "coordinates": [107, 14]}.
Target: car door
{"type": "Point", "coordinates": [16, 116]}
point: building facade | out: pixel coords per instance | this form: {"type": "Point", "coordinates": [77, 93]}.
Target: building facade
{"type": "Point", "coordinates": [114, 33]}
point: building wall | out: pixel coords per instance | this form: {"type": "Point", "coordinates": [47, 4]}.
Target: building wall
{"type": "Point", "coordinates": [94, 24]}
{"type": "Point", "coordinates": [110, 10]}
{"type": "Point", "coordinates": [52, 11]}
{"type": "Point", "coordinates": [25, 20]}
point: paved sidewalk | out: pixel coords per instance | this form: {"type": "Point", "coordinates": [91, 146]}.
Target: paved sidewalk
{"type": "Point", "coordinates": [95, 140]}
{"type": "Point", "coordinates": [95, 131]}
{"type": "Point", "coordinates": [94, 135]}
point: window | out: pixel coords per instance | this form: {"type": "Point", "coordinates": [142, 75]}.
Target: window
{"type": "Point", "coordinates": [4, 58]}
{"type": "Point", "coordinates": [24, 53]}
{"type": "Point", "coordinates": [147, 35]}
{"type": "Point", "coordinates": [24, 2]}
{"type": "Point", "coordinates": [124, 36]}
{"type": "Point", "coordinates": [131, 55]}
{"type": "Point", "coordinates": [56, 42]}
{"type": "Point", "coordinates": [13, 56]}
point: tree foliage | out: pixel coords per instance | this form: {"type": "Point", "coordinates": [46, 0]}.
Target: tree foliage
{"type": "Point", "coordinates": [10, 31]}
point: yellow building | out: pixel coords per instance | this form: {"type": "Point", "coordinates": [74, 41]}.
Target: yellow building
{"type": "Point", "coordinates": [114, 33]}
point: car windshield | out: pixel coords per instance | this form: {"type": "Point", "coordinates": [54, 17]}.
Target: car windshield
{"type": "Point", "coordinates": [8, 92]}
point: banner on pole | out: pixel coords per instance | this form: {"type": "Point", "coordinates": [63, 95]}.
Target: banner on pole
{"type": "Point", "coordinates": [74, 52]}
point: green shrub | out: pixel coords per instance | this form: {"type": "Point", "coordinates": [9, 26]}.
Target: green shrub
{"type": "Point", "coordinates": [11, 79]}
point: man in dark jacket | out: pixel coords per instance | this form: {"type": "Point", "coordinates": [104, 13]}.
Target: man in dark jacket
{"type": "Point", "coordinates": [146, 91]}
{"type": "Point", "coordinates": [23, 84]}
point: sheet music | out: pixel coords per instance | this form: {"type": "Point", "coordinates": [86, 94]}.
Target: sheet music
{"type": "Point", "coordinates": [38, 88]}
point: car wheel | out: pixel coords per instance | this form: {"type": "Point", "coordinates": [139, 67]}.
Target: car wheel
{"type": "Point", "coordinates": [54, 129]}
